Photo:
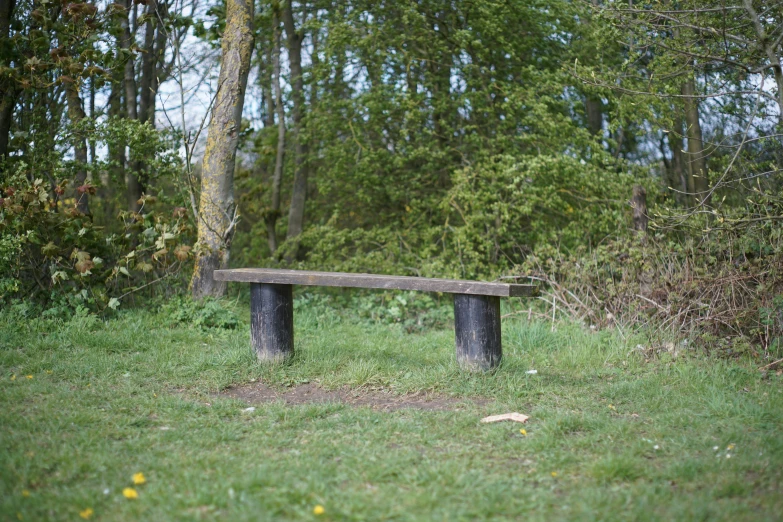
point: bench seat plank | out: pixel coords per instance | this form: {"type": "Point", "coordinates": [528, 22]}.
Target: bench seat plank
{"type": "Point", "coordinates": [387, 282]}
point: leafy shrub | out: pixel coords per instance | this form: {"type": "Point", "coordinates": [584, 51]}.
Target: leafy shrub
{"type": "Point", "coordinates": [725, 290]}
{"type": "Point", "coordinates": [206, 313]}
{"type": "Point", "coordinates": [503, 209]}
{"type": "Point", "coordinates": [53, 254]}
{"type": "Point", "coordinates": [413, 311]}
{"type": "Point", "coordinates": [497, 212]}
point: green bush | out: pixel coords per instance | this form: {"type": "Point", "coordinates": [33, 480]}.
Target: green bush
{"type": "Point", "coordinates": [54, 255]}
{"type": "Point", "coordinates": [206, 313]}
{"type": "Point", "coordinates": [497, 212]}
{"type": "Point", "coordinates": [725, 290]}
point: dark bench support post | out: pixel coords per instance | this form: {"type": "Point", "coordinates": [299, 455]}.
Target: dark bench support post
{"type": "Point", "coordinates": [477, 331]}
{"type": "Point", "coordinates": [272, 321]}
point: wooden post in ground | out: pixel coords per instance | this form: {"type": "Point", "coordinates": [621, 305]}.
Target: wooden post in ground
{"type": "Point", "coordinates": [477, 331]}
{"type": "Point", "coordinates": [272, 321]}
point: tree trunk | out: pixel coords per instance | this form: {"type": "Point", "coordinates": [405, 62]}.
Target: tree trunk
{"type": "Point", "coordinates": [299, 194]}
{"type": "Point", "coordinates": [770, 49]}
{"type": "Point", "coordinates": [116, 150]}
{"type": "Point", "coordinates": [678, 177]}
{"type": "Point", "coordinates": [639, 204]}
{"type": "Point", "coordinates": [274, 211]}
{"type": "Point", "coordinates": [129, 80]}
{"type": "Point", "coordinates": [698, 184]}
{"type": "Point", "coordinates": [159, 73]}
{"type": "Point", "coordinates": [267, 85]}
{"type": "Point", "coordinates": [137, 182]}
{"type": "Point", "coordinates": [595, 115]}
{"type": "Point", "coordinates": [6, 13]}
{"type": "Point", "coordinates": [76, 115]}
{"type": "Point", "coordinates": [217, 212]}
{"type": "Point", "coordinates": [148, 65]}
{"type": "Point", "coordinates": [134, 184]}
{"type": "Point", "coordinates": [7, 92]}
{"type": "Point", "coordinates": [7, 105]}
{"type": "Point", "coordinates": [314, 69]}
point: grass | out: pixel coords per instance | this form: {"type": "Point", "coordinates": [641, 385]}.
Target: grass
{"type": "Point", "coordinates": [611, 437]}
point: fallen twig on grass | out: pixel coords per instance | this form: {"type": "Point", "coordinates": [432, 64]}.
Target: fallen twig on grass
{"type": "Point", "coordinates": [771, 366]}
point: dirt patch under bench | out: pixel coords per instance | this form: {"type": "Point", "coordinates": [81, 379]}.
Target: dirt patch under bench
{"type": "Point", "coordinates": [260, 393]}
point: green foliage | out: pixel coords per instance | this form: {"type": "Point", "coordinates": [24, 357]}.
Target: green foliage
{"type": "Point", "coordinates": [11, 247]}
{"type": "Point", "coordinates": [722, 290]}
{"type": "Point", "coordinates": [771, 325]}
{"type": "Point", "coordinates": [412, 311]}
{"type": "Point", "coordinates": [507, 207]}
{"type": "Point", "coordinates": [205, 313]}
{"type": "Point", "coordinates": [59, 257]}
{"type": "Point", "coordinates": [496, 213]}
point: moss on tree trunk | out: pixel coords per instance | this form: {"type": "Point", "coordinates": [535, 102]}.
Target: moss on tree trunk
{"type": "Point", "coordinates": [217, 211]}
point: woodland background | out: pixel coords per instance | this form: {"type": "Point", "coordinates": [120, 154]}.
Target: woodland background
{"type": "Point", "coordinates": [144, 143]}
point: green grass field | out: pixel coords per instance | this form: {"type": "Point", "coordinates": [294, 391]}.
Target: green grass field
{"type": "Point", "coordinates": [85, 404]}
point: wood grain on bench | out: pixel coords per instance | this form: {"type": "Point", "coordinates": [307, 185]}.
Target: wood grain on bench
{"type": "Point", "coordinates": [314, 278]}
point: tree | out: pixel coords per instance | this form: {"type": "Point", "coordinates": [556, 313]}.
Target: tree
{"type": "Point", "coordinates": [685, 53]}
{"type": "Point", "coordinates": [7, 88]}
{"type": "Point", "coordinates": [274, 210]}
{"type": "Point", "coordinates": [217, 213]}
{"type": "Point", "coordinates": [698, 184]}
{"type": "Point", "coordinates": [296, 212]}
{"type": "Point", "coordinates": [76, 114]}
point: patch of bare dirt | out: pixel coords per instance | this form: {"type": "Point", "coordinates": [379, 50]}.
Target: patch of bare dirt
{"type": "Point", "coordinates": [260, 393]}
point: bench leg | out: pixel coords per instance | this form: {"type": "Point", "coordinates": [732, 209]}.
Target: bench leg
{"type": "Point", "coordinates": [272, 321]}
{"type": "Point", "coordinates": [477, 331]}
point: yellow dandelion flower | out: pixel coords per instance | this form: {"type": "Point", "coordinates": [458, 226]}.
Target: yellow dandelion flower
{"type": "Point", "coordinates": [13, 377]}
{"type": "Point", "coordinates": [523, 432]}
{"type": "Point", "coordinates": [554, 473]}
{"type": "Point", "coordinates": [138, 478]}
{"type": "Point", "coordinates": [318, 510]}
{"type": "Point", "coordinates": [29, 376]}
{"type": "Point", "coordinates": [730, 447]}
{"type": "Point", "coordinates": [86, 514]}
{"type": "Point", "coordinates": [25, 493]}
{"type": "Point", "coordinates": [130, 493]}
{"type": "Point", "coordinates": [611, 407]}
{"type": "Point", "coordinates": [49, 372]}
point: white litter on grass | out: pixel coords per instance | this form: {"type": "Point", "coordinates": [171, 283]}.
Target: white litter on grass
{"type": "Point", "coordinates": [106, 491]}
{"type": "Point", "coordinates": [516, 417]}
{"type": "Point", "coordinates": [532, 372]}
{"type": "Point", "coordinates": [249, 410]}
{"type": "Point", "coordinates": [164, 428]}
{"type": "Point", "coordinates": [656, 447]}
{"type": "Point", "coordinates": [715, 448]}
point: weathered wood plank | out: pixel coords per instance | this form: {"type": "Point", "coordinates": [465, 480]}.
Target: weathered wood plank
{"type": "Point", "coordinates": [314, 278]}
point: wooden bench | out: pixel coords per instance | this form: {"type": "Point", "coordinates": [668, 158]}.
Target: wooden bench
{"type": "Point", "coordinates": [476, 308]}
